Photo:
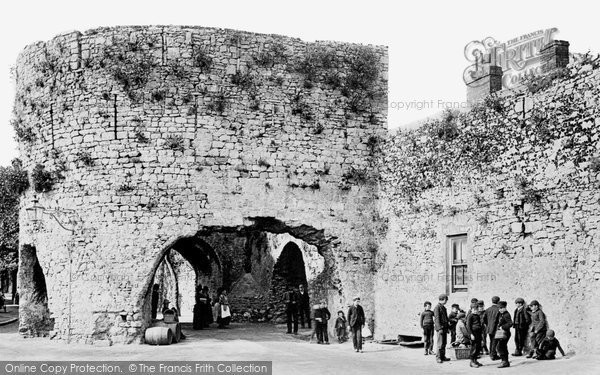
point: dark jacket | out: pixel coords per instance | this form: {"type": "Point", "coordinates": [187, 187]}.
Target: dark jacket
{"type": "Point", "coordinates": [292, 300]}
{"type": "Point", "coordinates": [504, 321]}
{"type": "Point", "coordinates": [340, 323]}
{"type": "Point", "coordinates": [453, 318]}
{"type": "Point", "coordinates": [538, 321]}
{"type": "Point", "coordinates": [356, 316]}
{"type": "Point", "coordinates": [474, 323]}
{"type": "Point", "coordinates": [490, 319]}
{"type": "Point", "coordinates": [522, 320]}
{"type": "Point", "coordinates": [304, 300]}
{"type": "Point", "coordinates": [440, 318]}
{"type": "Point", "coordinates": [323, 314]}
{"type": "Point", "coordinates": [548, 346]}
{"type": "Point", "coordinates": [427, 318]}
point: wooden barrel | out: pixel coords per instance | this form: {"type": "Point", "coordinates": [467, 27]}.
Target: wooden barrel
{"type": "Point", "coordinates": [159, 336]}
{"type": "Point", "coordinates": [175, 329]}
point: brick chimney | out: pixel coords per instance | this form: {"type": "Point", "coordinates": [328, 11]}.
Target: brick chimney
{"type": "Point", "coordinates": [488, 82]}
{"type": "Point", "coordinates": [554, 55]}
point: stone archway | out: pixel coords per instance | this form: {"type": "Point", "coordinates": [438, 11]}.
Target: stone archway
{"type": "Point", "coordinates": [252, 258]}
{"type": "Point", "coordinates": [187, 262]}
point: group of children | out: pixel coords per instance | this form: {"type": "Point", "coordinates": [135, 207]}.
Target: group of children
{"type": "Point", "coordinates": [473, 328]}
{"type": "Point", "coordinates": [322, 315]}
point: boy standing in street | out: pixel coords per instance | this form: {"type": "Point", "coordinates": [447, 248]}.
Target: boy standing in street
{"type": "Point", "coordinates": [539, 325]}
{"type": "Point", "coordinates": [475, 330]}
{"type": "Point", "coordinates": [481, 308]}
{"type": "Point", "coordinates": [427, 326]}
{"type": "Point", "coordinates": [441, 328]}
{"type": "Point", "coordinates": [490, 319]}
{"type": "Point", "coordinates": [504, 325]}
{"type": "Point", "coordinates": [521, 323]}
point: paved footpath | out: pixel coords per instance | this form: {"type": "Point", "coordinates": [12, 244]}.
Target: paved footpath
{"type": "Point", "coordinates": [11, 314]}
{"type": "Point", "coordinates": [290, 354]}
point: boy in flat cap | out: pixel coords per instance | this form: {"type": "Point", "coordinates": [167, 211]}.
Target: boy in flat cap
{"type": "Point", "coordinates": [481, 309]}
{"type": "Point", "coordinates": [522, 320]}
{"type": "Point", "coordinates": [475, 330]}
{"type": "Point", "coordinates": [538, 328]}
{"type": "Point", "coordinates": [427, 326]}
{"type": "Point", "coordinates": [501, 338]}
{"type": "Point", "coordinates": [441, 328]}
{"type": "Point", "coordinates": [490, 319]}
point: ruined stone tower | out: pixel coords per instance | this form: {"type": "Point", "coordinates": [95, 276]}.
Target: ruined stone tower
{"type": "Point", "coordinates": [158, 138]}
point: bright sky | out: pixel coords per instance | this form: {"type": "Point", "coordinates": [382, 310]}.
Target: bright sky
{"type": "Point", "coordinates": [426, 39]}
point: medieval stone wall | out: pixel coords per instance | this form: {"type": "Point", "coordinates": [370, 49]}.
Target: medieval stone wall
{"type": "Point", "coordinates": [152, 134]}
{"type": "Point", "coordinates": [519, 175]}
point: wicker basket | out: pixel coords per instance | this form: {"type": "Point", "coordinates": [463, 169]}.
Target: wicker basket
{"type": "Point", "coordinates": [462, 353]}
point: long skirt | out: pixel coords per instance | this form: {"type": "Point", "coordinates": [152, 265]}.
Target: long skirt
{"type": "Point", "coordinates": [198, 322]}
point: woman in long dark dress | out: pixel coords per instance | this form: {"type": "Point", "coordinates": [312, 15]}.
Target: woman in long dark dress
{"type": "Point", "coordinates": [198, 322]}
{"type": "Point", "coordinates": [208, 314]}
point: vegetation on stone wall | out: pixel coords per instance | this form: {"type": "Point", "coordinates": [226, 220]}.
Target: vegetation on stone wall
{"type": "Point", "coordinates": [85, 158]}
{"type": "Point", "coordinates": [535, 83]}
{"type": "Point", "coordinates": [130, 64]}
{"type": "Point", "coordinates": [175, 143]}
{"type": "Point", "coordinates": [276, 53]}
{"type": "Point", "coordinates": [482, 141]}
{"type": "Point", "coordinates": [24, 133]}
{"type": "Point", "coordinates": [218, 103]}
{"type": "Point", "coordinates": [201, 59]}
{"type": "Point", "coordinates": [355, 75]}
{"type": "Point", "coordinates": [42, 179]}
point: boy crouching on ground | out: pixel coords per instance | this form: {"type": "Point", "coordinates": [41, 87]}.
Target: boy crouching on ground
{"type": "Point", "coordinates": [548, 346]}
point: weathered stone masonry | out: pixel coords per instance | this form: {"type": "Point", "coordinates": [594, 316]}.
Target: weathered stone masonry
{"type": "Point", "coordinates": [162, 136]}
{"type": "Point", "coordinates": [523, 186]}
{"type": "Point", "coordinates": [157, 134]}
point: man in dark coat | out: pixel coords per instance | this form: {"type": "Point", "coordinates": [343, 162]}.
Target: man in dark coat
{"type": "Point", "coordinates": [304, 306]}
{"type": "Point", "coordinates": [356, 321]}
{"type": "Point", "coordinates": [199, 307]}
{"type": "Point", "coordinates": [441, 326]}
{"type": "Point", "coordinates": [490, 319]}
{"type": "Point", "coordinates": [154, 301]}
{"type": "Point", "coordinates": [292, 301]}
{"type": "Point", "coordinates": [521, 323]}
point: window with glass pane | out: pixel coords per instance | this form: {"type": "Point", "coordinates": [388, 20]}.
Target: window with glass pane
{"type": "Point", "coordinates": [458, 263]}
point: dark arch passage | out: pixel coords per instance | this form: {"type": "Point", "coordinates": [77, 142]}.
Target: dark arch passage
{"type": "Point", "coordinates": [290, 266]}
{"type": "Point", "coordinates": [256, 263]}
{"type": "Point", "coordinates": [288, 272]}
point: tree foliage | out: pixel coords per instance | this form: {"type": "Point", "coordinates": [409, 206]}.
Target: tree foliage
{"type": "Point", "coordinates": [13, 182]}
